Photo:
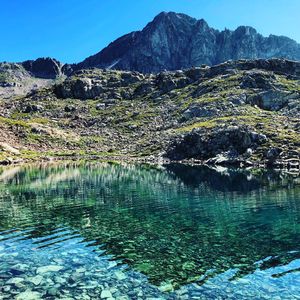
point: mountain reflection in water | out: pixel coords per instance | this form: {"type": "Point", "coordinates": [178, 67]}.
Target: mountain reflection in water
{"type": "Point", "coordinates": [175, 224]}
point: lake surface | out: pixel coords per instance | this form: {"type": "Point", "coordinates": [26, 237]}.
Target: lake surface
{"type": "Point", "coordinates": [117, 231]}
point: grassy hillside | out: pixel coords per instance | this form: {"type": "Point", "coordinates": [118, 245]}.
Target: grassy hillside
{"type": "Point", "coordinates": [127, 114]}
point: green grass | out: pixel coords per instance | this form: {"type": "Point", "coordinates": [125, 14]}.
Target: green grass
{"type": "Point", "coordinates": [290, 85]}
{"type": "Point", "coordinates": [4, 77]}
{"type": "Point", "coordinates": [14, 122]}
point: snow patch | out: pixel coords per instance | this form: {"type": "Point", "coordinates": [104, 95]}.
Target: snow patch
{"type": "Point", "coordinates": [113, 64]}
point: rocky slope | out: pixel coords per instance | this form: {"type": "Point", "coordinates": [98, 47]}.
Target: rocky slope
{"type": "Point", "coordinates": [16, 80]}
{"type": "Point", "coordinates": [243, 112]}
{"type": "Point", "coordinates": [176, 41]}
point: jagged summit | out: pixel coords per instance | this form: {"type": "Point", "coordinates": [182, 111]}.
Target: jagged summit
{"type": "Point", "coordinates": [176, 41]}
{"type": "Point", "coordinates": [44, 67]}
{"type": "Point", "coordinates": [173, 41]}
{"type": "Point", "coordinates": [173, 16]}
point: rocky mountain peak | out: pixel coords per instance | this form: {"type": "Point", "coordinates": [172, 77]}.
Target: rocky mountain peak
{"type": "Point", "coordinates": [177, 41]}
{"type": "Point", "coordinates": [46, 67]}
{"type": "Point", "coordinates": [245, 30]}
{"type": "Point", "coordinates": [173, 16]}
{"type": "Point", "coordinates": [202, 24]}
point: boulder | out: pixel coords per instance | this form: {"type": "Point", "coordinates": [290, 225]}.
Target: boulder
{"type": "Point", "coordinates": [165, 82]}
{"type": "Point", "coordinates": [80, 88]}
{"type": "Point", "coordinates": [273, 153]}
{"type": "Point", "coordinates": [258, 80]}
{"type": "Point", "coordinates": [198, 111]}
{"type": "Point", "coordinates": [32, 108]}
{"type": "Point", "coordinates": [201, 144]}
{"type": "Point", "coordinates": [143, 89]}
{"type": "Point", "coordinates": [70, 108]}
{"type": "Point", "coordinates": [272, 99]}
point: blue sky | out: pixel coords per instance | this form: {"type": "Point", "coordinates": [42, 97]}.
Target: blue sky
{"type": "Point", "coordinates": [71, 30]}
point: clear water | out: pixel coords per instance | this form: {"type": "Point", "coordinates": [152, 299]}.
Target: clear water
{"type": "Point", "coordinates": [111, 231]}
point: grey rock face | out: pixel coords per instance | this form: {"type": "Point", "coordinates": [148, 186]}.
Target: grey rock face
{"type": "Point", "coordinates": [273, 99]}
{"type": "Point", "coordinates": [200, 144]}
{"type": "Point", "coordinates": [48, 68]}
{"type": "Point", "coordinates": [176, 41]}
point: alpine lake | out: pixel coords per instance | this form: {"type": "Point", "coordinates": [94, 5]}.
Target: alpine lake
{"type": "Point", "coordinates": [134, 231]}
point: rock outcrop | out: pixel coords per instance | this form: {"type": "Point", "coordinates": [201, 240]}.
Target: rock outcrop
{"type": "Point", "coordinates": [47, 68]}
{"type": "Point", "coordinates": [202, 144]}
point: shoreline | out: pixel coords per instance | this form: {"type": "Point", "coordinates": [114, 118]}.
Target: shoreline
{"type": "Point", "coordinates": [287, 167]}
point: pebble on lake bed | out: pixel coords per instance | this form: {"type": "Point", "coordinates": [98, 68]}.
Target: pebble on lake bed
{"type": "Point", "coordinates": [50, 268]}
{"type": "Point", "coordinates": [29, 295]}
{"type": "Point", "coordinates": [106, 294]}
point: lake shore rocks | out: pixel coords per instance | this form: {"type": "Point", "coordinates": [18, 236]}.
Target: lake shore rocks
{"type": "Point", "coordinates": [201, 144]}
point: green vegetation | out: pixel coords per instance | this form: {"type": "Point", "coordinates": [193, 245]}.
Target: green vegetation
{"type": "Point", "coordinates": [145, 123]}
{"type": "Point", "coordinates": [4, 77]}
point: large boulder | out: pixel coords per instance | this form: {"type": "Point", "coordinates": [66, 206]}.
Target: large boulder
{"type": "Point", "coordinates": [273, 99]}
{"type": "Point", "coordinates": [80, 88]}
{"type": "Point", "coordinates": [197, 110]}
{"type": "Point", "coordinates": [96, 83]}
{"type": "Point", "coordinates": [169, 81]}
{"type": "Point", "coordinates": [203, 145]}
{"type": "Point", "coordinates": [258, 80]}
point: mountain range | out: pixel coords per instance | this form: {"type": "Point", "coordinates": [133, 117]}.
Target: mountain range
{"type": "Point", "coordinates": [174, 41]}
{"type": "Point", "coordinates": [233, 102]}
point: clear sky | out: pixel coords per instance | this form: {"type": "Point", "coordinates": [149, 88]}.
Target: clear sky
{"type": "Point", "coordinates": [71, 30]}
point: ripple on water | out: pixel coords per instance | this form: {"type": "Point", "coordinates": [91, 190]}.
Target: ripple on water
{"type": "Point", "coordinates": [133, 232]}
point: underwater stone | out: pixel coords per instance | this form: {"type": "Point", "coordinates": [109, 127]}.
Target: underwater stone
{"type": "Point", "coordinates": [168, 287]}
{"type": "Point", "coordinates": [50, 268]}
{"type": "Point", "coordinates": [80, 270]}
{"type": "Point", "coordinates": [15, 280]}
{"type": "Point", "coordinates": [106, 294]}
{"type": "Point", "coordinates": [36, 280]}
{"type": "Point", "coordinates": [29, 295]}
{"type": "Point", "coordinates": [120, 275]}
{"type": "Point", "coordinates": [52, 291]}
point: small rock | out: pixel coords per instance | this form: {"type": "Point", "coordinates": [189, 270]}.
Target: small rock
{"type": "Point", "coordinates": [52, 292]}
{"type": "Point", "coordinates": [36, 280]}
{"type": "Point", "coordinates": [29, 295]}
{"type": "Point", "coordinates": [50, 268]}
{"type": "Point", "coordinates": [168, 287]}
{"type": "Point", "coordinates": [15, 280]}
{"type": "Point", "coordinates": [70, 108]}
{"type": "Point", "coordinates": [120, 275]}
{"type": "Point", "coordinates": [106, 294]}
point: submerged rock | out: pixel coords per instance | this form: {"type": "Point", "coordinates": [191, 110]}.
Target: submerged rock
{"type": "Point", "coordinates": [106, 294]}
{"type": "Point", "coordinates": [29, 295]}
{"type": "Point", "coordinates": [37, 280]}
{"type": "Point", "coordinates": [50, 268]}
{"type": "Point", "coordinates": [15, 280]}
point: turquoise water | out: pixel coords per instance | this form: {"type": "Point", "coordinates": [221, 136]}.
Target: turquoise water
{"type": "Point", "coordinates": [117, 231]}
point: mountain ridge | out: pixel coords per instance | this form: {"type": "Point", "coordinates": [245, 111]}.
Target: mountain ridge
{"type": "Point", "coordinates": [241, 112]}
{"type": "Point", "coordinates": [173, 41]}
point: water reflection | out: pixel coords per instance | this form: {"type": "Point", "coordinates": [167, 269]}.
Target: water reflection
{"type": "Point", "coordinates": [175, 224]}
